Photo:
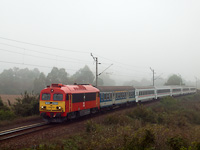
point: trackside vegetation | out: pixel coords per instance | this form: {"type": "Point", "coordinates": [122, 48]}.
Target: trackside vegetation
{"type": "Point", "coordinates": [170, 124]}
{"type": "Point", "coordinates": [26, 105]}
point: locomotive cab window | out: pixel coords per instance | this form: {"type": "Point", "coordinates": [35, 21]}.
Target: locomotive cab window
{"type": "Point", "coordinates": [58, 97]}
{"type": "Point", "coordinates": [46, 96]}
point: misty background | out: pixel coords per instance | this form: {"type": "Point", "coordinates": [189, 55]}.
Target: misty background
{"type": "Point", "coordinates": [132, 35]}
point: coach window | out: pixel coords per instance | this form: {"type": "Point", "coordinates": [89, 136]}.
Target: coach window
{"type": "Point", "coordinates": [58, 97]}
{"type": "Point", "coordinates": [107, 96]}
{"type": "Point", "coordinates": [104, 96]}
{"type": "Point", "coordinates": [118, 95]}
{"type": "Point", "coordinates": [101, 96]}
{"type": "Point", "coordinates": [110, 95]}
{"type": "Point", "coordinates": [46, 96]}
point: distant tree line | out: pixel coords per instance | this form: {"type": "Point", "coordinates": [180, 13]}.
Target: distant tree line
{"type": "Point", "coordinates": [16, 81]}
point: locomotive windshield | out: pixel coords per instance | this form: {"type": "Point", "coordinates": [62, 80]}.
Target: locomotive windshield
{"type": "Point", "coordinates": [46, 96]}
{"type": "Point", "coordinates": [58, 97]}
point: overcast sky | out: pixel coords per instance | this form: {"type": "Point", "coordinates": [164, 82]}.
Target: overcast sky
{"type": "Point", "coordinates": [133, 35]}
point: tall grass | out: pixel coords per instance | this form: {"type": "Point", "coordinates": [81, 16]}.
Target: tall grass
{"type": "Point", "coordinates": [173, 124]}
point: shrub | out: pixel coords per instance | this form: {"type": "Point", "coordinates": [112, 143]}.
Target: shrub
{"type": "Point", "coordinates": [5, 112]}
{"type": "Point", "coordinates": [27, 105]}
{"type": "Point", "coordinates": [92, 126]}
{"type": "Point", "coordinates": [170, 103]}
{"type": "Point", "coordinates": [140, 142]}
{"type": "Point", "coordinates": [176, 143]}
{"type": "Point", "coordinates": [6, 115]}
{"type": "Point", "coordinates": [144, 114]}
{"type": "Point", "coordinates": [117, 120]}
{"type": "Point", "coordinates": [2, 106]}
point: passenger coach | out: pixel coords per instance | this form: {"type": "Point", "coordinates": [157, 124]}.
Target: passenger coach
{"type": "Point", "coordinates": [111, 96]}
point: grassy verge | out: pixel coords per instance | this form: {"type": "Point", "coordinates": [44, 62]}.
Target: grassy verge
{"type": "Point", "coordinates": [173, 123]}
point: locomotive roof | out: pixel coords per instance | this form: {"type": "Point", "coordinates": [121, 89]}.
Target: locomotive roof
{"type": "Point", "coordinates": [115, 88]}
{"type": "Point", "coordinates": [73, 88]}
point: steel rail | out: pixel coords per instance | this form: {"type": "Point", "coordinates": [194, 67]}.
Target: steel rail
{"type": "Point", "coordinates": [15, 130]}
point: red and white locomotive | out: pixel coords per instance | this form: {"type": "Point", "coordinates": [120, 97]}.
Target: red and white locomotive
{"type": "Point", "coordinates": [59, 102]}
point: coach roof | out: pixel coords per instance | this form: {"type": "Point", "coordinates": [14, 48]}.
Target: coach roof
{"type": "Point", "coordinates": [115, 88]}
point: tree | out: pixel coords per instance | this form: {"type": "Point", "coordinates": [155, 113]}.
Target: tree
{"type": "Point", "coordinates": [57, 76]}
{"type": "Point", "coordinates": [15, 81]}
{"type": "Point", "coordinates": [39, 83]}
{"type": "Point", "coordinates": [107, 81]}
{"type": "Point", "coordinates": [83, 76]}
{"type": "Point", "coordinates": [174, 80]}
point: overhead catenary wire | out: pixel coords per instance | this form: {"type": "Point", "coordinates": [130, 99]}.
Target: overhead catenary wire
{"type": "Point", "coordinates": [23, 48]}
{"type": "Point", "coordinates": [37, 56]}
{"type": "Point", "coordinates": [44, 46]}
{"type": "Point", "coordinates": [122, 64]}
{"type": "Point", "coordinates": [17, 63]}
{"type": "Point", "coordinates": [63, 50]}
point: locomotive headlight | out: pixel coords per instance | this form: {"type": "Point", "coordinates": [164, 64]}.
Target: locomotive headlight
{"type": "Point", "coordinates": [43, 107]}
{"type": "Point", "coordinates": [59, 107]}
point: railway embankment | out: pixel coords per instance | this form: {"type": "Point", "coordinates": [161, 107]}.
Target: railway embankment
{"type": "Point", "coordinates": [171, 123]}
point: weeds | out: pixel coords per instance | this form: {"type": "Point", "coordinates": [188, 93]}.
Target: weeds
{"type": "Point", "coordinates": [173, 124]}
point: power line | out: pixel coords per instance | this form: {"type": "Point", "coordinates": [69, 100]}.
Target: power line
{"type": "Point", "coordinates": [42, 45]}
{"type": "Point", "coordinates": [13, 40]}
{"type": "Point", "coordinates": [120, 62]}
{"type": "Point", "coordinates": [25, 64]}
{"type": "Point", "coordinates": [42, 52]}
{"type": "Point", "coordinates": [58, 49]}
{"type": "Point", "coordinates": [36, 65]}
{"type": "Point", "coordinates": [36, 56]}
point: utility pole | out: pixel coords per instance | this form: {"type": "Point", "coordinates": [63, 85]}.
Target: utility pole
{"type": "Point", "coordinates": [196, 81]}
{"type": "Point", "coordinates": [153, 75]}
{"type": "Point", "coordinates": [180, 79]}
{"type": "Point", "coordinates": [96, 59]}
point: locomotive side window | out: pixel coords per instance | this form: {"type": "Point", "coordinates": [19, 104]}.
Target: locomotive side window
{"type": "Point", "coordinates": [77, 98]}
{"type": "Point", "coordinates": [46, 96]}
{"type": "Point", "coordinates": [90, 96]}
{"type": "Point", "coordinates": [58, 97]}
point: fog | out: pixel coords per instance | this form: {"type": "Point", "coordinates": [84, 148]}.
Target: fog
{"type": "Point", "coordinates": [130, 34]}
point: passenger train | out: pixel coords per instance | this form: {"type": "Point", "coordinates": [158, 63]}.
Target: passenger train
{"type": "Point", "coordinates": [60, 102]}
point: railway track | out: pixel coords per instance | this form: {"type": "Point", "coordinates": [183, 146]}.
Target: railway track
{"type": "Point", "coordinates": [19, 131]}
{"type": "Point", "coordinates": [30, 135]}
{"type": "Point", "coordinates": [24, 130]}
